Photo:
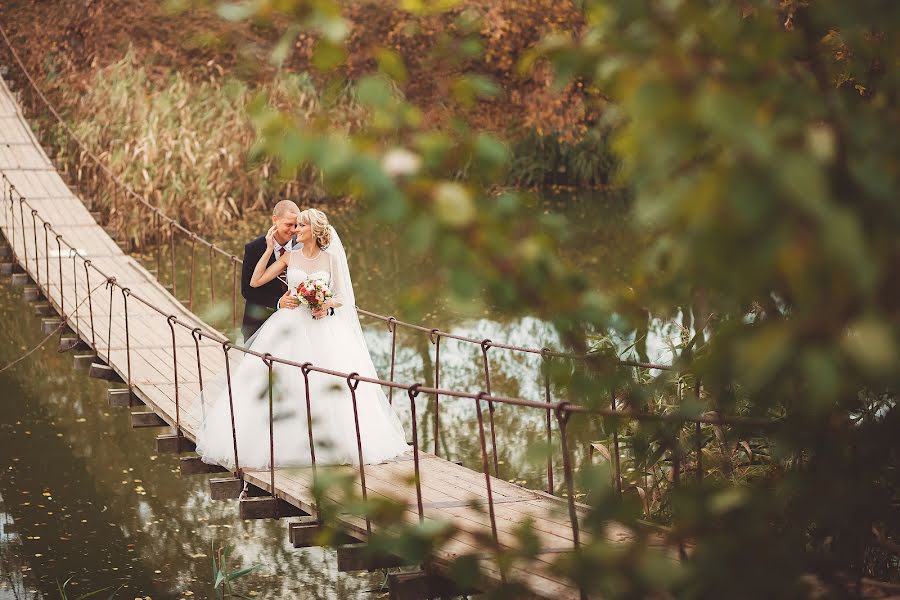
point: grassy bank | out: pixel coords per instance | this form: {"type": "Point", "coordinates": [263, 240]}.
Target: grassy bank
{"type": "Point", "coordinates": [185, 145]}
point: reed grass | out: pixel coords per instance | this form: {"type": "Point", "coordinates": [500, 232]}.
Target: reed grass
{"type": "Point", "coordinates": [186, 145]}
{"type": "Point", "coordinates": [545, 161]}
{"type": "Point", "coordinates": [181, 143]}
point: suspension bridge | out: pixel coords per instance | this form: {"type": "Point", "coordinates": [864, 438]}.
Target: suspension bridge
{"type": "Point", "coordinates": [125, 326]}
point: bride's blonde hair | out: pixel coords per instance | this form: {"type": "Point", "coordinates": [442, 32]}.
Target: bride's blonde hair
{"type": "Point", "coordinates": [319, 224]}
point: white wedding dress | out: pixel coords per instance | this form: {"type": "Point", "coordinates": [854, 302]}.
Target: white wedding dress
{"type": "Point", "coordinates": [333, 342]}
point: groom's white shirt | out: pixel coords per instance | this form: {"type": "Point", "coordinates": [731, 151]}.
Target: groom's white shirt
{"type": "Point", "coordinates": [286, 247]}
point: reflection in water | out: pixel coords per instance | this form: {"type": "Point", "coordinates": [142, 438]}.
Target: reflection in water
{"type": "Point", "coordinates": [89, 499]}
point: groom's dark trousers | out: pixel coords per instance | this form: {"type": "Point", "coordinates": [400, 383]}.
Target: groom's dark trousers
{"type": "Point", "coordinates": [261, 301]}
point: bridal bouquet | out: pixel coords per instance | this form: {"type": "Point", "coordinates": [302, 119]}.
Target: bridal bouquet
{"type": "Point", "coordinates": [313, 293]}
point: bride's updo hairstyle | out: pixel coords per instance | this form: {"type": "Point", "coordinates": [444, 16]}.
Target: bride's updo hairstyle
{"type": "Point", "coordinates": [319, 224]}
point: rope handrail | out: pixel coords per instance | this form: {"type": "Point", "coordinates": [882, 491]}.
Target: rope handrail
{"type": "Point", "coordinates": [171, 222]}
{"type": "Point", "coordinates": [717, 419]}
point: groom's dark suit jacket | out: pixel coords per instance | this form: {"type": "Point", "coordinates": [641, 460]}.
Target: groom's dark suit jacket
{"type": "Point", "coordinates": [261, 301]}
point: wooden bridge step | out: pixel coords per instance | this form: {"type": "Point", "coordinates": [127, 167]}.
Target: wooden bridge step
{"type": "Point", "coordinates": [225, 488]}
{"type": "Point", "coordinates": [44, 309]}
{"type": "Point", "coordinates": [123, 398]}
{"type": "Point", "coordinates": [308, 532]}
{"type": "Point", "coordinates": [169, 444]}
{"type": "Point", "coordinates": [71, 343]}
{"type": "Point", "coordinates": [147, 419]}
{"type": "Point", "coordinates": [50, 325]}
{"type": "Point", "coordinates": [19, 279]}
{"type": "Point", "coordinates": [267, 507]}
{"type": "Point", "coordinates": [83, 362]}
{"type": "Point", "coordinates": [32, 293]}
{"type": "Point", "coordinates": [99, 370]}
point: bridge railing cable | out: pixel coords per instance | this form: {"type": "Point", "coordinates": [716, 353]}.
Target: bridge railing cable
{"type": "Point", "coordinates": [563, 411]}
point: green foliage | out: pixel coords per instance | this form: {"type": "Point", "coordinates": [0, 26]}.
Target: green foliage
{"type": "Point", "coordinates": [754, 141]}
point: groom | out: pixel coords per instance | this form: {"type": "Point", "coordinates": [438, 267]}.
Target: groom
{"type": "Point", "coordinates": [262, 301]}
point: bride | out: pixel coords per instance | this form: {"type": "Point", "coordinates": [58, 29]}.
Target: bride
{"type": "Point", "coordinates": [329, 337]}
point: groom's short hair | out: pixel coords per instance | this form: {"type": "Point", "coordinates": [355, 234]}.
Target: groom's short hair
{"type": "Point", "coordinates": [284, 207]}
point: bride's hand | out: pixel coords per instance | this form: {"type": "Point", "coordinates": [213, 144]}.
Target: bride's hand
{"type": "Point", "coordinates": [270, 238]}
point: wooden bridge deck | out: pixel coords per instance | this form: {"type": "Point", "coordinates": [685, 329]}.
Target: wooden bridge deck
{"type": "Point", "coordinates": [451, 492]}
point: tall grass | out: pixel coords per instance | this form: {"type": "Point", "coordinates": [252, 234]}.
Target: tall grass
{"type": "Point", "coordinates": [181, 143]}
{"type": "Point", "coordinates": [544, 160]}
{"type": "Point", "coordinates": [185, 145]}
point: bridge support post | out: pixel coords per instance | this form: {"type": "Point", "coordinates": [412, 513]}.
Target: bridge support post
{"type": "Point", "coordinates": [44, 309]}
{"type": "Point", "coordinates": [147, 419]}
{"type": "Point", "coordinates": [83, 362]}
{"type": "Point", "coordinates": [32, 293]}
{"type": "Point", "coordinates": [225, 488]}
{"type": "Point", "coordinates": [168, 444]}
{"type": "Point", "coordinates": [71, 343]}
{"type": "Point", "coordinates": [123, 398]}
{"type": "Point", "coordinates": [308, 532]}
{"type": "Point", "coordinates": [98, 370]}
{"type": "Point", "coordinates": [50, 325]}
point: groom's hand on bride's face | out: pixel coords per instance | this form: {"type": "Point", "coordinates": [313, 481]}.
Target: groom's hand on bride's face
{"type": "Point", "coordinates": [287, 301]}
